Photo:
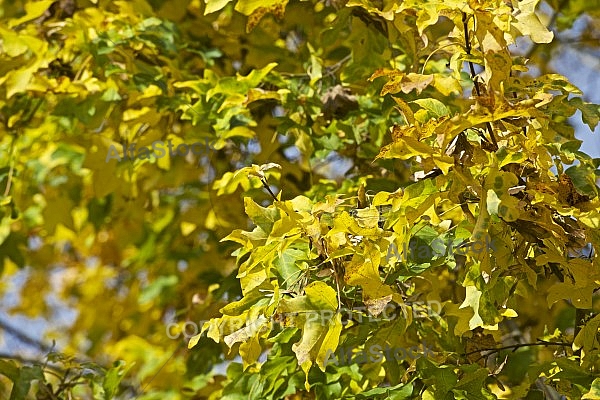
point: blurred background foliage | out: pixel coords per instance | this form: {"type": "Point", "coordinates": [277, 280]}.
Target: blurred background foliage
{"type": "Point", "coordinates": [98, 256]}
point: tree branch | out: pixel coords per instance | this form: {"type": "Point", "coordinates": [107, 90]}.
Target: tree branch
{"type": "Point", "coordinates": [516, 346]}
{"type": "Point", "coordinates": [465, 21]}
{"type": "Point", "coordinates": [24, 338]}
{"type": "Point", "coordinates": [266, 186]}
{"type": "Point", "coordinates": [24, 360]}
{"type": "Point", "coordinates": [42, 347]}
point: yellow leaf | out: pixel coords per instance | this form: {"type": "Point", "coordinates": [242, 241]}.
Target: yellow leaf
{"type": "Point", "coordinates": [239, 131]}
{"type": "Point", "coordinates": [528, 22]}
{"type": "Point", "coordinates": [446, 85]}
{"type": "Point", "coordinates": [250, 350]}
{"type": "Point", "coordinates": [492, 202]}
{"type": "Point", "coordinates": [586, 338]}
{"type": "Point", "coordinates": [215, 5]}
{"type": "Point", "coordinates": [17, 81]}
{"type": "Point", "coordinates": [594, 393]}
{"type": "Point", "coordinates": [405, 110]}
{"type": "Point", "coordinates": [132, 114]}
{"type": "Point", "coordinates": [33, 10]}
{"type": "Point", "coordinates": [14, 45]}
{"type": "Point", "coordinates": [497, 68]}
{"type": "Point", "coordinates": [187, 228]}
{"type": "Point", "coordinates": [444, 163]}
{"type": "Point", "coordinates": [472, 299]}
{"type": "Point", "coordinates": [194, 340]}
{"type": "Point", "coordinates": [364, 271]}
{"type": "Point", "coordinates": [416, 82]}
{"type": "Point", "coordinates": [509, 313]}
{"type": "Point", "coordinates": [408, 147]}
{"type": "Point", "coordinates": [251, 329]}
{"type": "Point", "coordinates": [508, 209]}
{"type": "Point", "coordinates": [581, 296]}
{"type": "Point", "coordinates": [321, 295]}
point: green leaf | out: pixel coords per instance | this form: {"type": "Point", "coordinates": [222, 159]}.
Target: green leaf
{"type": "Point", "coordinates": [23, 380]}
{"type": "Point", "coordinates": [590, 113]}
{"type": "Point", "coordinates": [583, 180]}
{"type": "Point", "coordinates": [441, 377]}
{"type": "Point", "coordinates": [155, 289]}
{"type": "Point", "coordinates": [398, 392]}
{"type": "Point", "coordinates": [586, 338]}
{"type": "Point", "coordinates": [113, 378]}
{"type": "Point", "coordinates": [9, 369]}
{"type": "Point", "coordinates": [263, 217]}
{"type": "Point", "coordinates": [472, 385]}
{"type": "Point", "coordinates": [288, 265]}
{"type": "Point", "coordinates": [571, 370]}
{"type": "Point", "coordinates": [435, 107]}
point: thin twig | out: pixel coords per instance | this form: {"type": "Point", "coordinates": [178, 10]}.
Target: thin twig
{"type": "Point", "coordinates": [266, 185]}
{"type": "Point", "coordinates": [516, 346]}
{"type": "Point", "coordinates": [24, 338]}
{"type": "Point", "coordinates": [24, 360]}
{"type": "Point", "coordinates": [337, 284]}
{"type": "Point", "coordinates": [432, 53]}
{"type": "Point", "coordinates": [329, 70]}
{"type": "Point", "coordinates": [9, 179]}
{"type": "Point", "coordinates": [333, 68]}
{"type": "Point", "coordinates": [41, 346]}
{"type": "Point", "coordinates": [465, 20]}
{"type": "Point", "coordinates": [81, 68]}
{"type": "Point", "coordinates": [143, 389]}
{"type": "Point", "coordinates": [335, 274]}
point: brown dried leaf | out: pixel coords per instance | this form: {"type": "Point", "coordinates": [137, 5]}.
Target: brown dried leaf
{"type": "Point", "coordinates": [567, 192]}
{"type": "Point", "coordinates": [479, 343]}
{"type": "Point", "coordinates": [278, 10]}
{"type": "Point", "coordinates": [338, 102]}
{"type": "Point", "coordinates": [376, 306]}
{"type": "Point", "coordinates": [416, 82]}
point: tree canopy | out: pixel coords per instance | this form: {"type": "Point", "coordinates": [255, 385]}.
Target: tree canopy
{"type": "Point", "coordinates": [298, 199]}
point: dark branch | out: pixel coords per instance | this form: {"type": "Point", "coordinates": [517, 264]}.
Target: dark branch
{"type": "Point", "coordinates": [517, 346]}
{"type": "Point", "coordinates": [24, 360]}
{"type": "Point", "coordinates": [465, 20]}
{"type": "Point", "coordinates": [24, 338]}
{"type": "Point", "coordinates": [266, 185]}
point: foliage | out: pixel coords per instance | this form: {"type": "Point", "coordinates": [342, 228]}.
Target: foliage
{"type": "Point", "coordinates": [448, 136]}
{"type": "Point", "coordinates": [55, 382]}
